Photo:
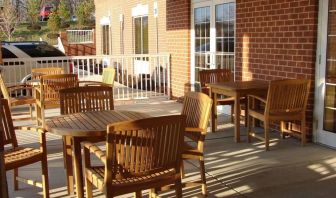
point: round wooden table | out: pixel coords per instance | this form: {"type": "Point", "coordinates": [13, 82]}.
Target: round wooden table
{"type": "Point", "coordinates": [82, 127]}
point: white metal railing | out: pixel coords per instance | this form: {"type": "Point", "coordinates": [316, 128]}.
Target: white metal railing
{"type": "Point", "coordinates": [137, 76]}
{"type": "Point", "coordinates": [80, 36]}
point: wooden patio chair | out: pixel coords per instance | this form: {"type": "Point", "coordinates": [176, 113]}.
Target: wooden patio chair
{"type": "Point", "coordinates": [286, 101]}
{"type": "Point", "coordinates": [82, 99]}
{"type": "Point", "coordinates": [18, 95]}
{"type": "Point", "coordinates": [47, 95]}
{"type": "Point", "coordinates": [38, 72]}
{"type": "Point", "coordinates": [16, 156]}
{"type": "Point", "coordinates": [108, 77]}
{"type": "Point", "coordinates": [216, 76]}
{"type": "Point", "coordinates": [142, 154]}
{"type": "Point", "coordinates": [3, 178]}
{"type": "Point", "coordinates": [197, 108]}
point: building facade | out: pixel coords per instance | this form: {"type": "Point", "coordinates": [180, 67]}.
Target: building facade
{"type": "Point", "coordinates": [257, 39]}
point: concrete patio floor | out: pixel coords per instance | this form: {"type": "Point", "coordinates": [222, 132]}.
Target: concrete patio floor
{"type": "Point", "coordinates": [233, 169]}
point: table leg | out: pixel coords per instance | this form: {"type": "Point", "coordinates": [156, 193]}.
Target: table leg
{"type": "Point", "coordinates": [68, 163]}
{"type": "Point", "coordinates": [237, 117]}
{"type": "Point", "coordinates": [214, 112]}
{"type": "Point", "coordinates": [78, 167]}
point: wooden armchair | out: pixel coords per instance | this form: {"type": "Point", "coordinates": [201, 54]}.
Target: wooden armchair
{"type": "Point", "coordinates": [142, 154]}
{"type": "Point", "coordinates": [216, 76]}
{"type": "Point", "coordinates": [82, 99]}
{"type": "Point", "coordinates": [16, 156]}
{"type": "Point", "coordinates": [18, 95]}
{"type": "Point", "coordinates": [286, 101]}
{"type": "Point", "coordinates": [38, 72]}
{"type": "Point", "coordinates": [47, 95]}
{"type": "Point", "coordinates": [108, 77]}
{"type": "Point", "coordinates": [197, 108]}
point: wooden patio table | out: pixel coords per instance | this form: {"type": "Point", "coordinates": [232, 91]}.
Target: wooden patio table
{"type": "Point", "coordinates": [236, 90]}
{"type": "Point", "coordinates": [81, 126]}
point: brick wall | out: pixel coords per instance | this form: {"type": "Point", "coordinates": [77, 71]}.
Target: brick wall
{"type": "Point", "coordinates": [172, 24]}
{"type": "Point", "coordinates": [277, 40]}
{"type": "Point", "coordinates": [77, 49]}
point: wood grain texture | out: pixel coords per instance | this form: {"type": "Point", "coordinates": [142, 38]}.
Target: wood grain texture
{"type": "Point", "coordinates": [286, 102]}
{"type": "Point", "coordinates": [214, 76]}
{"type": "Point", "coordinates": [47, 95]}
{"type": "Point", "coordinates": [15, 156]}
{"type": "Point", "coordinates": [140, 155]}
{"type": "Point", "coordinates": [197, 108]}
{"type": "Point", "coordinates": [14, 96]}
{"type": "Point", "coordinates": [236, 90]}
{"type": "Point", "coordinates": [38, 72]}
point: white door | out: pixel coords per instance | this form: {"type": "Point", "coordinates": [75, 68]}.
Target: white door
{"type": "Point", "coordinates": [325, 94]}
{"type": "Point", "coordinates": [212, 35]}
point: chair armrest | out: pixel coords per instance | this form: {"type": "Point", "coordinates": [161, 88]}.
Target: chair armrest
{"type": "Point", "coordinates": [19, 87]}
{"type": "Point", "coordinates": [29, 129]}
{"type": "Point", "coordinates": [92, 148]}
{"type": "Point", "coordinates": [93, 83]}
{"type": "Point", "coordinates": [195, 130]}
{"type": "Point", "coordinates": [42, 134]}
{"type": "Point", "coordinates": [260, 98]}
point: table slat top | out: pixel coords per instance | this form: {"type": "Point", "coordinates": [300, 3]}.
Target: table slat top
{"type": "Point", "coordinates": [240, 85]}
{"type": "Point", "coordinates": [89, 123]}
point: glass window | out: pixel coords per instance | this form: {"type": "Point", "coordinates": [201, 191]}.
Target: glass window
{"type": "Point", "coordinates": [106, 40]}
{"type": "Point", "coordinates": [7, 54]}
{"type": "Point", "coordinates": [40, 50]}
{"type": "Point", "coordinates": [141, 35]}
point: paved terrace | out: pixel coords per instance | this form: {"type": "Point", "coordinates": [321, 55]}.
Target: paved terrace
{"type": "Point", "coordinates": [233, 170]}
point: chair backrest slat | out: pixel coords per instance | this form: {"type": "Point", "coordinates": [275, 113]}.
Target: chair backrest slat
{"type": "Point", "coordinates": [108, 76]}
{"type": "Point", "coordinates": [3, 88]}
{"type": "Point", "coordinates": [6, 125]}
{"type": "Point", "coordinates": [83, 99]}
{"type": "Point", "coordinates": [214, 76]}
{"type": "Point", "coordinates": [140, 147]}
{"type": "Point", "coordinates": [197, 108]}
{"type": "Point", "coordinates": [286, 96]}
{"type": "Point", "coordinates": [52, 84]}
{"type": "Point", "coordinates": [38, 72]}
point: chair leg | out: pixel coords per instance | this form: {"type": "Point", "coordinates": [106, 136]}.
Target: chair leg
{"type": "Point", "coordinates": [303, 131]}
{"type": "Point", "coordinates": [67, 151]}
{"type": "Point", "coordinates": [282, 128]}
{"type": "Point", "coordinates": [232, 112]}
{"type": "Point", "coordinates": [137, 194]}
{"type": "Point", "coordinates": [43, 116]}
{"type": "Point", "coordinates": [182, 170]}
{"type": "Point", "coordinates": [203, 177]}
{"type": "Point", "coordinates": [249, 128]}
{"type": "Point", "coordinates": [267, 134]}
{"type": "Point", "coordinates": [178, 188]}
{"type": "Point", "coordinates": [31, 111]}
{"type": "Point", "coordinates": [38, 115]}
{"type": "Point", "coordinates": [45, 177]}
{"type": "Point", "coordinates": [88, 186]}
{"type": "Point", "coordinates": [15, 175]}
{"type": "Point", "coordinates": [152, 193]}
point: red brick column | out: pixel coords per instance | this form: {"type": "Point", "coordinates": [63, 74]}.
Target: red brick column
{"type": "Point", "coordinates": [178, 37]}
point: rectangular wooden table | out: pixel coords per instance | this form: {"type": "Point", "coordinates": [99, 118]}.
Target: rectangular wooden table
{"type": "Point", "coordinates": [85, 126]}
{"type": "Point", "coordinates": [236, 90]}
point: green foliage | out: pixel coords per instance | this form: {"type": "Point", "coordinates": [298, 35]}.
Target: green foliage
{"type": "Point", "coordinates": [33, 11]}
{"type": "Point", "coordinates": [54, 21]}
{"type": "Point", "coordinates": [64, 10]}
{"type": "Point", "coordinates": [85, 12]}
